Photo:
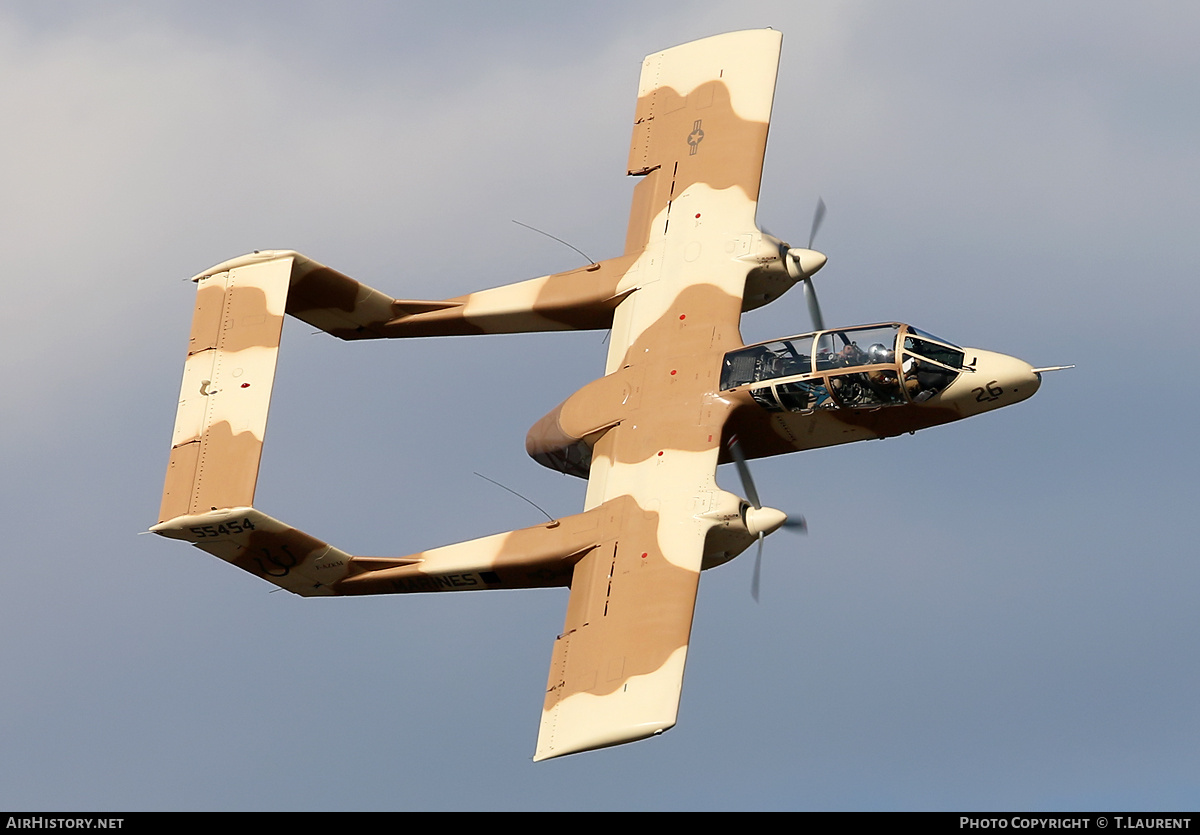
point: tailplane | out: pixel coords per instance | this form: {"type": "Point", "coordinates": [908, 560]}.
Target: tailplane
{"type": "Point", "coordinates": [226, 391]}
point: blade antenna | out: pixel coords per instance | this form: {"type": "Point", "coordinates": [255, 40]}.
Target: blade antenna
{"type": "Point", "coordinates": [561, 241]}
{"type": "Point", "coordinates": [515, 493]}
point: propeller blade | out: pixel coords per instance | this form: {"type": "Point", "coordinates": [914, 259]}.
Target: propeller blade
{"type": "Point", "coordinates": [814, 306]}
{"type": "Point", "coordinates": [810, 293]}
{"type": "Point", "coordinates": [735, 450]}
{"type": "Point", "coordinates": [754, 583]}
{"type": "Point", "coordinates": [766, 521]}
{"type": "Point", "coordinates": [818, 218]}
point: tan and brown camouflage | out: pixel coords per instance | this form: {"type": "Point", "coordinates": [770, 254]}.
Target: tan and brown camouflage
{"type": "Point", "coordinates": [648, 435]}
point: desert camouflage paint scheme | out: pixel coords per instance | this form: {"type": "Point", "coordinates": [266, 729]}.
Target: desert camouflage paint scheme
{"type": "Point", "coordinates": [648, 436]}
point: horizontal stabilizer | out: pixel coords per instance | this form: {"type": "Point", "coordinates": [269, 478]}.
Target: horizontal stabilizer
{"type": "Point", "coordinates": [221, 417]}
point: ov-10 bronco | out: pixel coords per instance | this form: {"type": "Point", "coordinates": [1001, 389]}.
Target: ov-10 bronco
{"type": "Point", "coordinates": [681, 394]}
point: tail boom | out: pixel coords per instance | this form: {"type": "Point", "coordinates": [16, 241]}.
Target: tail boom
{"type": "Point", "coordinates": [538, 557]}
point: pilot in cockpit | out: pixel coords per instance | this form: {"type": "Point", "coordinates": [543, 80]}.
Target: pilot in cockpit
{"type": "Point", "coordinates": [848, 356]}
{"type": "Point", "coordinates": [880, 353]}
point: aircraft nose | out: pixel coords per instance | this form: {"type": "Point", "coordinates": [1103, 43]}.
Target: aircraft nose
{"type": "Point", "coordinates": [1022, 379]}
{"type": "Point", "coordinates": [998, 380]}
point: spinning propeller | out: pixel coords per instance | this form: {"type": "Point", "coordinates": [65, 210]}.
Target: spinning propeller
{"type": "Point", "coordinates": [759, 520]}
{"type": "Point", "coordinates": [802, 264]}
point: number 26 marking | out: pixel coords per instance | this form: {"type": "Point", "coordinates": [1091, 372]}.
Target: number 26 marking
{"type": "Point", "coordinates": [985, 395]}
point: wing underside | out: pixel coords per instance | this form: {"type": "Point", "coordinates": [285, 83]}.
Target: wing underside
{"type": "Point", "coordinates": [617, 668]}
{"type": "Point", "coordinates": [702, 116]}
{"type": "Point", "coordinates": [698, 142]}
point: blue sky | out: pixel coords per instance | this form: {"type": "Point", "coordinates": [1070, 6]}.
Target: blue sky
{"type": "Point", "coordinates": [994, 614]}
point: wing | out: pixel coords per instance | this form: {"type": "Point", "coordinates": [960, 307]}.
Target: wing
{"type": "Point", "coordinates": [699, 139]}
{"type": "Point", "coordinates": [617, 669]}
{"type": "Point", "coordinates": [702, 115]}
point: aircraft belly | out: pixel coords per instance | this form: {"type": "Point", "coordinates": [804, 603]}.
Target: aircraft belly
{"type": "Point", "coordinates": [765, 433]}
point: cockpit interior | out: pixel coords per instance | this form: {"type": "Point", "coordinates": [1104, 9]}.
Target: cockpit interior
{"type": "Point", "coordinates": [849, 368]}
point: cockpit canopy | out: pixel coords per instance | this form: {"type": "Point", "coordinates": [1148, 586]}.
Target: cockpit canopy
{"type": "Point", "coordinates": [862, 367]}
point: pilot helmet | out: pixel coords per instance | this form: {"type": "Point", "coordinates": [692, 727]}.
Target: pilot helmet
{"type": "Point", "coordinates": [880, 353]}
